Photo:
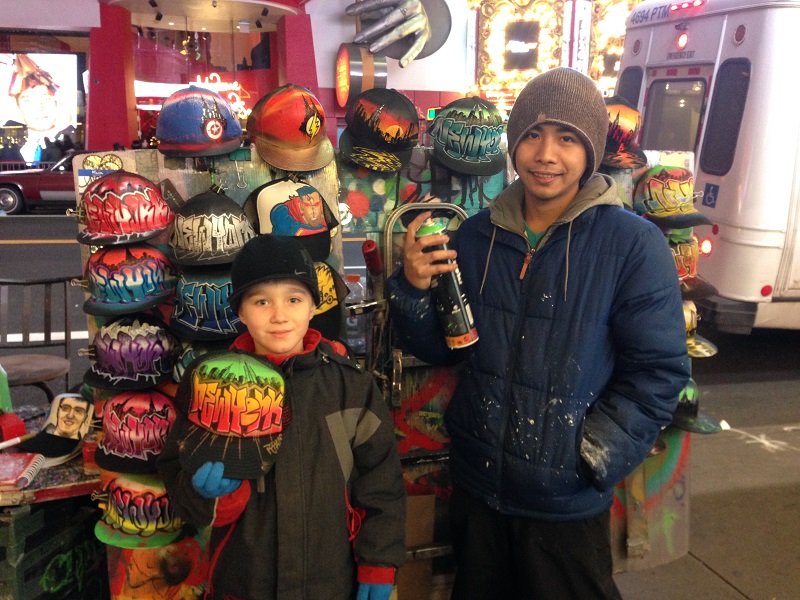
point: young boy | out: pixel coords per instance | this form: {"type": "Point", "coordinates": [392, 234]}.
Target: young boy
{"type": "Point", "coordinates": [337, 462]}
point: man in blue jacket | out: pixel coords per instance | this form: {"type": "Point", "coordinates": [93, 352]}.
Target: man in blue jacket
{"type": "Point", "coordinates": [580, 361]}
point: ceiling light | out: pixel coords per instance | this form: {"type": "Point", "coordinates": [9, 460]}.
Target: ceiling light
{"type": "Point", "coordinates": [159, 16]}
{"type": "Point", "coordinates": [153, 3]}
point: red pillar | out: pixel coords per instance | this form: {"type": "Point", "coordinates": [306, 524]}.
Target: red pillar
{"type": "Point", "coordinates": [111, 102]}
{"type": "Point", "coordinates": [296, 62]}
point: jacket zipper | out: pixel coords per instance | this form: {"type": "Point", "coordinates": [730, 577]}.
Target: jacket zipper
{"type": "Point", "coordinates": [512, 366]}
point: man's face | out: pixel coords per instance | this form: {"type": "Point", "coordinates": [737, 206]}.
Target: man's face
{"type": "Point", "coordinates": [38, 108]}
{"type": "Point", "coordinates": [72, 413]}
{"type": "Point", "coordinates": [311, 207]}
{"type": "Point", "coordinates": [550, 160]}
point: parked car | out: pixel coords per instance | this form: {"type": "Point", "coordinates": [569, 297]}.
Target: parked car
{"type": "Point", "coordinates": [27, 189]}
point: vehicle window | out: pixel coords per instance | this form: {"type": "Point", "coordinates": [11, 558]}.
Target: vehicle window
{"type": "Point", "coordinates": [630, 82]}
{"type": "Point", "coordinates": [725, 116]}
{"type": "Point", "coordinates": [672, 114]}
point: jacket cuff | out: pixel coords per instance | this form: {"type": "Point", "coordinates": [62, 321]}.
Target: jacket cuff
{"type": "Point", "coordinates": [367, 574]}
{"type": "Point", "coordinates": [407, 288]}
{"type": "Point", "coordinates": [230, 506]}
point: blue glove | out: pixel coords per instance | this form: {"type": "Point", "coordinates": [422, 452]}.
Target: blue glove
{"type": "Point", "coordinates": [374, 591]}
{"type": "Point", "coordinates": [209, 482]}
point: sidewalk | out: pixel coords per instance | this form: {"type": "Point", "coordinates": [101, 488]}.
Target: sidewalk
{"type": "Point", "coordinates": [744, 487]}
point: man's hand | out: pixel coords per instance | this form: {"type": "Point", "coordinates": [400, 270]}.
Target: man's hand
{"type": "Point", "coordinates": [394, 20]}
{"type": "Point", "coordinates": [418, 265]}
{"type": "Point", "coordinates": [209, 482]}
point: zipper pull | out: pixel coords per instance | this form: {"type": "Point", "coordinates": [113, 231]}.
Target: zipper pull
{"type": "Point", "coordinates": [525, 263]}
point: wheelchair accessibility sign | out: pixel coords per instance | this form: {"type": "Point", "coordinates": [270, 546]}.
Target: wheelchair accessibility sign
{"type": "Point", "coordinates": [710, 195]}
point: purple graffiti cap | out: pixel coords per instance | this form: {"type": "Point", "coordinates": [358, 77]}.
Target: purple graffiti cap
{"type": "Point", "coordinates": [131, 353]}
{"type": "Point", "coordinates": [210, 229]}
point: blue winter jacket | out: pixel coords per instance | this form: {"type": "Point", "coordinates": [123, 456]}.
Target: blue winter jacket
{"type": "Point", "coordinates": [581, 356]}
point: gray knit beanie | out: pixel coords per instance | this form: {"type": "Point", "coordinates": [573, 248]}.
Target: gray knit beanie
{"type": "Point", "coordinates": [567, 97]}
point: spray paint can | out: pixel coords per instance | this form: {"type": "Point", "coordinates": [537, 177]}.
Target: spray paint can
{"type": "Point", "coordinates": [448, 296]}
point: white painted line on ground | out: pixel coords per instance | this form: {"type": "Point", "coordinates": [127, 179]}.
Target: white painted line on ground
{"type": "Point", "coordinates": [16, 338]}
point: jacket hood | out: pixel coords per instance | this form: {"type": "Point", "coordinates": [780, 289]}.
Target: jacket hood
{"type": "Point", "coordinates": [506, 210]}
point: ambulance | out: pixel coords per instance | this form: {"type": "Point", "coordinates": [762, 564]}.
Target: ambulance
{"type": "Point", "coordinates": [721, 78]}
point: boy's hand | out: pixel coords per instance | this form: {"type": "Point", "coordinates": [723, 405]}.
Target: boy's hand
{"type": "Point", "coordinates": [374, 591]}
{"type": "Point", "coordinates": [209, 482]}
{"type": "Point", "coordinates": [418, 265]}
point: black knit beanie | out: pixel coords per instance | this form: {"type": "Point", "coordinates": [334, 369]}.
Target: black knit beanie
{"type": "Point", "coordinates": [566, 97]}
{"type": "Point", "coordinates": [267, 257]}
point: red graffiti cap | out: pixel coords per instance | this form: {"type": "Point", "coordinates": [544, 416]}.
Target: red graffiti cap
{"type": "Point", "coordinates": [135, 428]}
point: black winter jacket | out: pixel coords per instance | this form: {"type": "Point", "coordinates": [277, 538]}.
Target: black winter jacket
{"type": "Point", "coordinates": [581, 357]}
{"type": "Point", "coordinates": [291, 541]}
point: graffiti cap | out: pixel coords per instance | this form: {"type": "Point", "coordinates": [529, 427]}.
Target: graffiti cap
{"type": "Point", "coordinates": [466, 137]}
{"type": "Point", "coordinates": [234, 404]}
{"type": "Point", "coordinates": [288, 128]}
{"type": "Point", "coordinates": [382, 130]}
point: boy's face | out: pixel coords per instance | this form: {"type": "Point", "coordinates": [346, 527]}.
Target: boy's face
{"type": "Point", "coordinates": [550, 160]}
{"type": "Point", "coordinates": [277, 314]}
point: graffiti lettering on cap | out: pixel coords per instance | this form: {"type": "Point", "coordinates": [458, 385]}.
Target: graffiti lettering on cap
{"type": "Point", "coordinates": [236, 405]}
{"type": "Point", "coordinates": [473, 143]}
{"type": "Point", "coordinates": [141, 514]}
{"type": "Point", "coordinates": [211, 233]}
{"type": "Point", "coordinates": [205, 306]}
{"type": "Point", "coordinates": [132, 432]}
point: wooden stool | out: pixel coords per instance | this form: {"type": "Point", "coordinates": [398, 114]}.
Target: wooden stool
{"type": "Point", "coordinates": [35, 370]}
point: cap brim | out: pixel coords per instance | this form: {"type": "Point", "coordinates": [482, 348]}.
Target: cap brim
{"type": "Point", "coordinates": [695, 288]}
{"type": "Point", "coordinates": [440, 23]}
{"type": "Point", "coordinates": [631, 157]}
{"type": "Point", "coordinates": [106, 239]}
{"type": "Point", "coordinates": [114, 537]}
{"type": "Point", "coordinates": [699, 423]}
{"type": "Point", "coordinates": [50, 445]}
{"type": "Point", "coordinates": [123, 464]}
{"type": "Point", "coordinates": [93, 307]}
{"type": "Point", "coordinates": [95, 379]}
{"type": "Point", "coordinates": [312, 158]}
{"type": "Point", "coordinates": [700, 347]}
{"type": "Point", "coordinates": [373, 159]}
{"type": "Point", "coordinates": [188, 150]}
{"type": "Point", "coordinates": [682, 220]}
{"type": "Point", "coordinates": [243, 458]}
